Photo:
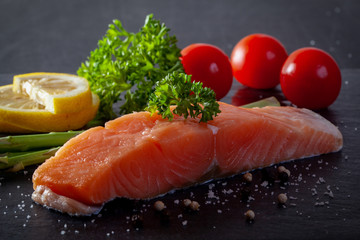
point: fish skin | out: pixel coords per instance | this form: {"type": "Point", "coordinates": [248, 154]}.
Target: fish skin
{"type": "Point", "coordinates": [141, 156]}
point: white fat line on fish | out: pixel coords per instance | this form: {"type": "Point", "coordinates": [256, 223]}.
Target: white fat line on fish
{"type": "Point", "coordinates": [214, 129]}
{"type": "Point", "coordinates": [214, 163]}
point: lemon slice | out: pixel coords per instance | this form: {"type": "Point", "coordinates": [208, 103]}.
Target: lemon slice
{"type": "Point", "coordinates": [6, 127]}
{"type": "Point", "coordinates": [20, 114]}
{"type": "Point", "coordinates": [57, 92]}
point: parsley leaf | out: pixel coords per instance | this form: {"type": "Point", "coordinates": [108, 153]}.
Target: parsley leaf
{"type": "Point", "coordinates": [189, 97]}
{"type": "Point", "coordinates": [126, 66]}
{"type": "Point", "coordinates": [129, 67]}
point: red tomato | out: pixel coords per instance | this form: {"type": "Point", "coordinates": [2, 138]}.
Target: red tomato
{"type": "Point", "coordinates": [210, 65]}
{"type": "Point", "coordinates": [257, 60]}
{"type": "Point", "coordinates": [310, 78]}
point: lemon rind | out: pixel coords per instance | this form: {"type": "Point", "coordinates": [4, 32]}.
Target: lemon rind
{"type": "Point", "coordinates": [14, 120]}
{"type": "Point", "coordinates": [72, 101]}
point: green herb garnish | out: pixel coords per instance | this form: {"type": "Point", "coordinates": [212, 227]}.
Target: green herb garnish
{"type": "Point", "coordinates": [126, 66]}
{"type": "Point", "coordinates": [189, 97]}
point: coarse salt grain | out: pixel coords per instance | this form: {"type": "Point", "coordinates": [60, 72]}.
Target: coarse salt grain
{"type": "Point", "coordinates": [321, 180]}
{"type": "Point", "coordinates": [264, 184]}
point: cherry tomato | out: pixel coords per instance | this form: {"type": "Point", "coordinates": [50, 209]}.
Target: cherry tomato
{"type": "Point", "coordinates": [310, 78]}
{"type": "Point", "coordinates": [257, 60]}
{"type": "Point", "coordinates": [210, 65]}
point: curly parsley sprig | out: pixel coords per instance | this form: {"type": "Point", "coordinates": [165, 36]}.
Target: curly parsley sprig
{"type": "Point", "coordinates": [189, 97]}
{"type": "Point", "coordinates": [126, 66]}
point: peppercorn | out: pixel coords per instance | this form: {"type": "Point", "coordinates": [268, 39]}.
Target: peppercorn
{"type": "Point", "coordinates": [248, 177]}
{"type": "Point", "coordinates": [159, 206]}
{"type": "Point", "coordinates": [186, 202]}
{"type": "Point", "coordinates": [194, 206]}
{"type": "Point", "coordinates": [281, 169]}
{"type": "Point", "coordinates": [250, 215]}
{"type": "Point", "coordinates": [282, 198]}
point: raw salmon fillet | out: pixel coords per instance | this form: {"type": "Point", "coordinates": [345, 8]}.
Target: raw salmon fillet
{"type": "Point", "coordinates": [140, 156]}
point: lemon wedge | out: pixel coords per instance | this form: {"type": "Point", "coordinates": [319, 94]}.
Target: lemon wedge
{"type": "Point", "coordinates": [20, 114]}
{"type": "Point", "coordinates": [57, 92]}
{"type": "Point", "coordinates": [6, 127]}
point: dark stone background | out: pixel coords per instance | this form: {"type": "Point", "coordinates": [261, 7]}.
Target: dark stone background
{"type": "Point", "coordinates": [43, 35]}
{"type": "Point", "coordinates": [58, 35]}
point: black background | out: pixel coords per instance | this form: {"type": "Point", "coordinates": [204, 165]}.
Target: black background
{"type": "Point", "coordinates": [56, 36]}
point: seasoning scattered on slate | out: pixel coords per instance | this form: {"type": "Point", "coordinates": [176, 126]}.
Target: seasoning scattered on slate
{"type": "Point", "coordinates": [243, 189]}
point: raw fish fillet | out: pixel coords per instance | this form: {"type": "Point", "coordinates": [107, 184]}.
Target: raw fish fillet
{"type": "Point", "coordinates": [140, 156]}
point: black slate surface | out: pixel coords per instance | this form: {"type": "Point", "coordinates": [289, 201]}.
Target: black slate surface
{"type": "Point", "coordinates": [58, 35]}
